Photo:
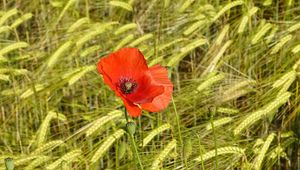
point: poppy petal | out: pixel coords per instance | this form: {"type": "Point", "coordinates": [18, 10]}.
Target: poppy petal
{"type": "Point", "coordinates": [159, 76]}
{"type": "Point", "coordinates": [146, 91]}
{"type": "Point", "coordinates": [126, 62]}
{"type": "Point", "coordinates": [106, 78]}
{"type": "Point", "coordinates": [133, 110]}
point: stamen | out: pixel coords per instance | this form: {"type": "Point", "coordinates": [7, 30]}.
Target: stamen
{"type": "Point", "coordinates": [127, 85]}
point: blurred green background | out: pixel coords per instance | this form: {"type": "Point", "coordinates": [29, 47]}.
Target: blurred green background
{"type": "Point", "coordinates": [234, 64]}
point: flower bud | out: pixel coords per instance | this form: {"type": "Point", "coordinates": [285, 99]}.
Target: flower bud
{"type": "Point", "coordinates": [131, 128]}
{"type": "Point", "coordinates": [9, 163]}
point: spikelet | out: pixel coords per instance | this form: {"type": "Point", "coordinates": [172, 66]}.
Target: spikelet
{"type": "Point", "coordinates": [70, 73]}
{"type": "Point", "coordinates": [90, 50]}
{"type": "Point", "coordinates": [141, 39]}
{"type": "Point", "coordinates": [7, 15]}
{"type": "Point", "coordinates": [15, 72]}
{"type": "Point", "coordinates": [219, 122]}
{"type": "Point", "coordinates": [166, 3]}
{"type": "Point", "coordinates": [107, 144]}
{"type": "Point", "coordinates": [185, 5]}
{"type": "Point", "coordinates": [20, 20]}
{"type": "Point", "coordinates": [3, 59]}
{"type": "Point", "coordinates": [275, 153]}
{"type": "Point", "coordinates": [68, 5]}
{"type": "Point", "coordinates": [29, 91]}
{"type": "Point", "coordinates": [37, 162]}
{"type": "Point", "coordinates": [23, 57]}
{"type": "Point", "coordinates": [283, 79]}
{"type": "Point", "coordinates": [124, 41]}
{"type": "Point", "coordinates": [246, 18]}
{"type": "Point", "coordinates": [209, 82]}
{"type": "Point", "coordinates": [125, 28]}
{"type": "Point", "coordinates": [272, 34]}
{"type": "Point", "coordinates": [252, 11]}
{"type": "Point", "coordinates": [266, 110]}
{"type": "Point", "coordinates": [162, 155]}
{"type": "Point", "coordinates": [239, 85]}
{"type": "Point", "coordinates": [67, 158]}
{"type": "Point", "coordinates": [194, 26]}
{"type": "Point", "coordinates": [243, 24]}
{"type": "Point", "coordinates": [257, 144]}
{"type": "Point", "coordinates": [155, 132]}
{"type": "Point", "coordinates": [221, 36]}
{"type": "Point", "coordinates": [97, 124]}
{"type": "Point", "coordinates": [200, 17]}
{"type": "Point", "coordinates": [287, 134]}
{"type": "Point", "coordinates": [290, 3]}
{"type": "Point", "coordinates": [220, 151]}
{"type": "Point", "coordinates": [296, 65]}
{"type": "Point", "coordinates": [281, 43]}
{"type": "Point", "coordinates": [4, 77]}
{"type": "Point", "coordinates": [279, 101]}
{"type": "Point", "coordinates": [156, 61]}
{"type": "Point", "coordinates": [289, 141]}
{"type": "Point", "coordinates": [261, 33]}
{"type": "Point", "coordinates": [24, 160]}
{"type": "Point", "coordinates": [296, 49]}
{"type": "Point", "coordinates": [176, 41]}
{"type": "Point", "coordinates": [58, 53]}
{"type": "Point", "coordinates": [227, 110]}
{"type": "Point", "coordinates": [294, 27]}
{"type": "Point", "coordinates": [74, 78]}
{"type": "Point", "coordinates": [236, 94]}
{"type": "Point", "coordinates": [267, 2]}
{"type": "Point", "coordinates": [78, 24]}
{"type": "Point", "coordinates": [121, 4]}
{"type": "Point", "coordinates": [47, 146]}
{"type": "Point", "coordinates": [10, 91]}
{"type": "Point", "coordinates": [216, 58]}
{"type": "Point", "coordinates": [286, 85]}
{"type": "Point", "coordinates": [97, 30]}
{"type": "Point", "coordinates": [60, 116]}
{"type": "Point", "coordinates": [259, 159]}
{"type": "Point", "coordinates": [226, 8]}
{"type": "Point", "coordinates": [13, 47]}
{"type": "Point", "coordinates": [193, 45]}
{"type": "Point", "coordinates": [185, 50]}
{"type": "Point", "coordinates": [164, 46]}
{"type": "Point", "coordinates": [41, 138]}
{"type": "Point", "coordinates": [4, 29]}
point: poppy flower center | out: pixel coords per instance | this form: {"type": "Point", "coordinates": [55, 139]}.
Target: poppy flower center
{"type": "Point", "coordinates": [127, 85]}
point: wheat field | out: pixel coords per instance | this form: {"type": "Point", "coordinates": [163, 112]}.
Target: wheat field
{"type": "Point", "coordinates": [234, 64]}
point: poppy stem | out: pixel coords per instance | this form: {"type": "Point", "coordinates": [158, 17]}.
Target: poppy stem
{"type": "Point", "coordinates": [131, 131]}
{"type": "Point", "coordinates": [136, 151]}
{"type": "Point", "coordinates": [179, 129]}
{"type": "Point", "coordinates": [126, 115]}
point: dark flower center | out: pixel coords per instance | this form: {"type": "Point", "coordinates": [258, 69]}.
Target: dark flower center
{"type": "Point", "coordinates": [127, 85]}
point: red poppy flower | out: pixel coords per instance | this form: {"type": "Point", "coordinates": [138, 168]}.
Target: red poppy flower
{"type": "Point", "coordinates": [127, 74]}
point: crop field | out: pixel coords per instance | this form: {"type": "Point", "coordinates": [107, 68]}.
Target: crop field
{"type": "Point", "coordinates": [234, 66]}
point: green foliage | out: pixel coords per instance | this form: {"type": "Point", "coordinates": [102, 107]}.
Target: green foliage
{"type": "Point", "coordinates": [239, 57]}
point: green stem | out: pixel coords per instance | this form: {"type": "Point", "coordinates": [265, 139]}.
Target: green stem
{"type": "Point", "coordinates": [136, 152]}
{"type": "Point", "coordinates": [177, 121]}
{"type": "Point", "coordinates": [212, 111]}
{"type": "Point", "coordinates": [133, 143]}
{"type": "Point", "coordinates": [126, 115]}
{"type": "Point", "coordinates": [178, 127]}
